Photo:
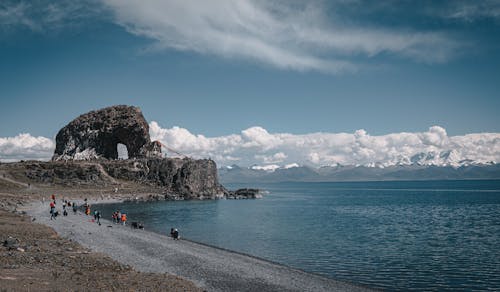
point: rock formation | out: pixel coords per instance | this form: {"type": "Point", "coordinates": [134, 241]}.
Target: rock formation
{"type": "Point", "coordinates": [96, 134]}
{"type": "Point", "coordinates": [86, 157]}
{"type": "Point", "coordinates": [245, 193]}
{"type": "Point", "coordinates": [179, 178]}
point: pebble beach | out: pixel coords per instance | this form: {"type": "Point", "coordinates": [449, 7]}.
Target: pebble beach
{"type": "Point", "coordinates": [210, 268]}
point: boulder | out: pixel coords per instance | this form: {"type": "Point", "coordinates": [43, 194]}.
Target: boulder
{"type": "Point", "coordinates": [11, 243]}
{"type": "Point", "coordinates": [96, 134]}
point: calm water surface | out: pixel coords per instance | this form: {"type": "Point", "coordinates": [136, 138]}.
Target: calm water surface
{"type": "Point", "coordinates": [440, 235]}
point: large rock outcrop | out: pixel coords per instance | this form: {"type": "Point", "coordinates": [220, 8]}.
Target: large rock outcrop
{"type": "Point", "coordinates": [184, 178]}
{"type": "Point", "coordinates": [171, 178]}
{"type": "Point", "coordinates": [97, 134]}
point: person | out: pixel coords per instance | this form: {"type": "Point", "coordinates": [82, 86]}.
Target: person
{"type": "Point", "coordinates": [52, 210]}
{"type": "Point", "coordinates": [95, 214]}
{"type": "Point", "coordinates": [74, 208]}
{"type": "Point", "coordinates": [124, 218]}
{"type": "Point", "coordinates": [98, 217]}
{"type": "Point", "coordinates": [176, 234]}
{"type": "Point", "coordinates": [172, 232]}
{"type": "Point", "coordinates": [65, 213]}
{"type": "Point", "coordinates": [118, 216]}
{"type": "Point", "coordinates": [113, 217]}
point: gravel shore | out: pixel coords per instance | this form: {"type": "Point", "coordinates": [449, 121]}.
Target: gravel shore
{"type": "Point", "coordinates": [210, 268]}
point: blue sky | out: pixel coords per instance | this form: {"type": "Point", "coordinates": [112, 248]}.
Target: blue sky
{"type": "Point", "coordinates": [217, 68]}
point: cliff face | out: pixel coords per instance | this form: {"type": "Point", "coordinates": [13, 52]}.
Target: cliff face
{"type": "Point", "coordinates": [176, 178]}
{"type": "Point", "coordinates": [185, 178]}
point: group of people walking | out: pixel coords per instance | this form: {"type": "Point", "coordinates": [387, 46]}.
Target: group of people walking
{"type": "Point", "coordinates": [66, 204]}
{"type": "Point", "coordinates": [70, 205]}
{"type": "Point", "coordinates": [118, 217]}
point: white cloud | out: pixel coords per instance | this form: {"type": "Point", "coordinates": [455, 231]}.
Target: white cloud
{"type": "Point", "coordinates": [472, 10]}
{"type": "Point", "coordinates": [275, 158]}
{"type": "Point", "coordinates": [256, 146]}
{"type": "Point", "coordinates": [16, 15]}
{"type": "Point", "coordinates": [284, 34]}
{"type": "Point", "coordinates": [26, 147]}
{"type": "Point", "coordinates": [270, 167]}
{"type": "Point", "coordinates": [47, 16]}
{"type": "Point", "coordinates": [296, 35]}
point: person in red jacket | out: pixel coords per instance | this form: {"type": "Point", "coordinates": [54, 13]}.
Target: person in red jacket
{"type": "Point", "coordinates": [124, 218]}
{"type": "Point", "coordinates": [52, 210]}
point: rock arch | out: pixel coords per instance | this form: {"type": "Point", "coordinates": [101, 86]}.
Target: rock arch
{"type": "Point", "coordinates": [97, 133]}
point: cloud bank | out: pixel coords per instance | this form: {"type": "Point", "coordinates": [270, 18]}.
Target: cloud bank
{"type": "Point", "coordinates": [297, 35]}
{"type": "Point", "coordinates": [257, 147]}
{"type": "Point", "coordinates": [26, 147]}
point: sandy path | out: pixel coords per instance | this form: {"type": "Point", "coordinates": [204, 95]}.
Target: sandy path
{"type": "Point", "coordinates": [210, 268]}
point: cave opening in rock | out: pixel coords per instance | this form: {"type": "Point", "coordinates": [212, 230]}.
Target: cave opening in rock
{"type": "Point", "coordinates": [122, 151]}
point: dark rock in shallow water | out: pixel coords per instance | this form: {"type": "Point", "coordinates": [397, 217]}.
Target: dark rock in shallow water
{"type": "Point", "coordinates": [97, 134]}
{"type": "Point", "coordinates": [244, 194]}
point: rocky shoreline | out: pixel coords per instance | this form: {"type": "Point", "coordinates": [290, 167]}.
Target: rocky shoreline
{"type": "Point", "coordinates": [33, 257]}
{"type": "Point", "coordinates": [209, 268]}
{"type": "Point", "coordinates": [116, 251]}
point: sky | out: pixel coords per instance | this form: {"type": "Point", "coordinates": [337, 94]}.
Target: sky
{"type": "Point", "coordinates": [256, 82]}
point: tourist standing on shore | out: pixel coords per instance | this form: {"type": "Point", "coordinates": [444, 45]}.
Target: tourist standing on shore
{"type": "Point", "coordinates": [174, 233]}
{"type": "Point", "coordinates": [124, 218]}
{"type": "Point", "coordinates": [52, 210]}
{"type": "Point", "coordinates": [118, 216]}
{"type": "Point", "coordinates": [74, 208]}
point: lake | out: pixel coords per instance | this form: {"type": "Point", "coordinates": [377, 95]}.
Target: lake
{"type": "Point", "coordinates": [411, 235]}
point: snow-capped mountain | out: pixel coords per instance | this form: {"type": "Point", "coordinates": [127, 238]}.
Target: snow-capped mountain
{"type": "Point", "coordinates": [429, 166]}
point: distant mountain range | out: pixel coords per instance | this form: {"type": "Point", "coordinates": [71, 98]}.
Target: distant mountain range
{"type": "Point", "coordinates": [415, 171]}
